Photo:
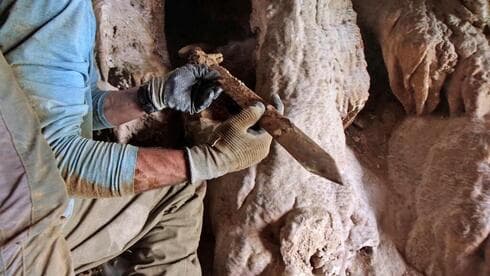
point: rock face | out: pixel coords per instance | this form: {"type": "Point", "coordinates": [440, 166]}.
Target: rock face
{"type": "Point", "coordinates": [440, 172]}
{"type": "Point", "coordinates": [417, 193]}
{"type": "Point", "coordinates": [434, 50]}
{"type": "Point", "coordinates": [437, 54]}
{"type": "Point", "coordinates": [422, 193]}
{"type": "Point", "coordinates": [130, 41]}
{"type": "Point", "coordinates": [276, 217]}
{"type": "Point", "coordinates": [319, 39]}
{"type": "Point", "coordinates": [131, 48]}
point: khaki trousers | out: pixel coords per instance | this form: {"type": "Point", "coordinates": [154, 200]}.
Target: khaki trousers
{"type": "Point", "coordinates": [160, 229]}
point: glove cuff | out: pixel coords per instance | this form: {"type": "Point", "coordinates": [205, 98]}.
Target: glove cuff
{"type": "Point", "coordinates": [202, 164]}
{"type": "Point", "coordinates": [144, 100]}
{"type": "Point", "coordinates": [194, 162]}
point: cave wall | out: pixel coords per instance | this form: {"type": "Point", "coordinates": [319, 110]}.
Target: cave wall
{"type": "Point", "coordinates": [439, 213]}
{"type": "Point", "coordinates": [276, 217]}
{"type": "Point", "coordinates": [436, 52]}
{"type": "Point", "coordinates": [131, 43]}
{"type": "Point", "coordinates": [436, 55]}
{"type": "Point", "coordinates": [424, 179]}
{"type": "Point", "coordinates": [412, 136]}
{"type": "Point", "coordinates": [131, 48]}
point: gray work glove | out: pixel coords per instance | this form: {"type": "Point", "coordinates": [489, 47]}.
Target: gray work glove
{"type": "Point", "coordinates": [190, 88]}
{"type": "Point", "coordinates": [232, 146]}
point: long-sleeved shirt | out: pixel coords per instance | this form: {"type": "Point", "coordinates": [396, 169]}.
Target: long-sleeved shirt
{"type": "Point", "coordinates": [49, 45]}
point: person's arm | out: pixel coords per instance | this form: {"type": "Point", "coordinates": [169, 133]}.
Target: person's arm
{"type": "Point", "coordinates": [232, 146]}
{"type": "Point", "coordinates": [156, 168]}
{"type": "Point", "coordinates": [190, 88]}
{"type": "Point", "coordinates": [122, 106]}
{"type": "Point", "coordinates": [49, 60]}
{"type": "Point", "coordinates": [113, 108]}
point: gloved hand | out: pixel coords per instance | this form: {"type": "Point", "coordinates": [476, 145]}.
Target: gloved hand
{"type": "Point", "coordinates": [232, 146]}
{"type": "Point", "coordinates": [190, 88]}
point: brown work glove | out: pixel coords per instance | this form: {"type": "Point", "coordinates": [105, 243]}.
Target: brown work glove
{"type": "Point", "coordinates": [233, 146]}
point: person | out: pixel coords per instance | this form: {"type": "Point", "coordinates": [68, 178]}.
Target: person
{"type": "Point", "coordinates": [69, 203]}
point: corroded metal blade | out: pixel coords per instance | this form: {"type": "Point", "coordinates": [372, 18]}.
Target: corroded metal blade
{"type": "Point", "coordinates": [309, 154]}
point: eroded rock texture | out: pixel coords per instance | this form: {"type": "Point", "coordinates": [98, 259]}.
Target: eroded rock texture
{"type": "Point", "coordinates": [320, 38]}
{"type": "Point", "coordinates": [436, 54]}
{"type": "Point", "coordinates": [434, 50]}
{"type": "Point", "coordinates": [130, 40]}
{"type": "Point", "coordinates": [416, 199]}
{"type": "Point", "coordinates": [131, 48]}
{"type": "Point", "coordinates": [431, 198]}
{"type": "Point", "coordinates": [440, 171]}
{"type": "Point", "coordinates": [416, 186]}
{"type": "Point", "coordinates": [278, 218]}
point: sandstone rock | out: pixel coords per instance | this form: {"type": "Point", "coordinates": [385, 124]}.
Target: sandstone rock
{"type": "Point", "coordinates": [417, 189]}
{"type": "Point", "coordinates": [433, 47]}
{"type": "Point", "coordinates": [333, 30]}
{"type": "Point", "coordinates": [131, 40]}
{"type": "Point", "coordinates": [131, 48]}
{"type": "Point", "coordinates": [278, 218]}
{"type": "Point", "coordinates": [440, 172]}
{"type": "Point", "coordinates": [438, 167]}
